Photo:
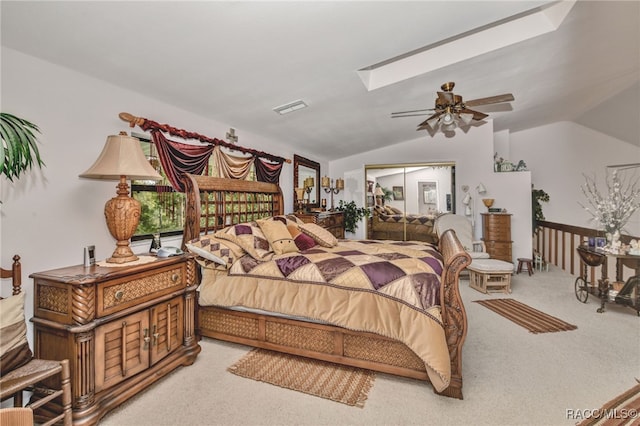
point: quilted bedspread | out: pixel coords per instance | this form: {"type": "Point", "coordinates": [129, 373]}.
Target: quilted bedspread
{"type": "Point", "coordinates": [383, 287]}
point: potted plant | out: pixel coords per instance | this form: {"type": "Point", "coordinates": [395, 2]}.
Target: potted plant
{"type": "Point", "coordinates": [352, 214]}
{"type": "Point", "coordinates": [19, 146]}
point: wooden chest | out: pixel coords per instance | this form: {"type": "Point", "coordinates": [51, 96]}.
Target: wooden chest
{"type": "Point", "coordinates": [331, 221]}
{"type": "Point", "coordinates": [496, 234]}
{"type": "Point", "coordinates": [122, 327]}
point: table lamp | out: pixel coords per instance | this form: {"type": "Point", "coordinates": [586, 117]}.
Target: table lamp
{"type": "Point", "coordinates": [121, 159]}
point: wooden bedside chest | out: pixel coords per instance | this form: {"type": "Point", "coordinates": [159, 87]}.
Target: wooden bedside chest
{"type": "Point", "coordinates": [122, 328]}
{"type": "Point", "coordinates": [331, 221]}
{"type": "Point", "coordinates": [496, 234]}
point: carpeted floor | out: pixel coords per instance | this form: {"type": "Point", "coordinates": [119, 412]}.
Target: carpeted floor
{"type": "Point", "coordinates": [511, 377]}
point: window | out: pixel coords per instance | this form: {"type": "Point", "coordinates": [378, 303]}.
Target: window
{"type": "Point", "coordinates": [162, 206]}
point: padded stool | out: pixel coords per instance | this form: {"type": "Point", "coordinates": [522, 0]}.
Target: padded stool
{"type": "Point", "coordinates": [487, 275]}
{"type": "Point", "coordinates": [528, 262]}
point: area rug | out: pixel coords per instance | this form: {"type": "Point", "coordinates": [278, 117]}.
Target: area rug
{"type": "Point", "coordinates": [532, 319]}
{"type": "Point", "coordinates": [348, 385]}
{"type": "Point", "coordinates": [622, 410]}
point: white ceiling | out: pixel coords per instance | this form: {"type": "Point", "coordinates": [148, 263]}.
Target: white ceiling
{"type": "Point", "coordinates": [233, 62]}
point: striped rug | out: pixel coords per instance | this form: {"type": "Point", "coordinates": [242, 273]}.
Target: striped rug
{"type": "Point", "coordinates": [348, 385]}
{"type": "Point", "coordinates": [532, 319]}
{"type": "Point", "coordinates": [622, 410]}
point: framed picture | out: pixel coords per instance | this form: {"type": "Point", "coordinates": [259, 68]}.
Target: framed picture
{"type": "Point", "coordinates": [369, 200]}
{"type": "Point", "coordinates": [398, 193]}
{"type": "Point", "coordinates": [601, 242]}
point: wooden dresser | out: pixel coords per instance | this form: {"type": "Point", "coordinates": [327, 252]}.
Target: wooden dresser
{"type": "Point", "coordinates": [496, 234]}
{"type": "Point", "coordinates": [123, 328]}
{"type": "Point", "coordinates": [331, 221]}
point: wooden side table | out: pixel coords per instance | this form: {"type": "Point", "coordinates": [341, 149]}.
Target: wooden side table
{"type": "Point", "coordinates": [122, 327]}
{"type": "Point", "coordinates": [331, 221]}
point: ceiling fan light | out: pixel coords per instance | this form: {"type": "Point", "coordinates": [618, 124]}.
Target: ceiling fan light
{"type": "Point", "coordinates": [447, 118]}
{"type": "Point", "coordinates": [466, 118]}
{"type": "Point", "coordinates": [433, 122]}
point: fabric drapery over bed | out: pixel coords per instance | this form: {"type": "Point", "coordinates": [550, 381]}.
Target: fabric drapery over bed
{"type": "Point", "coordinates": [178, 158]}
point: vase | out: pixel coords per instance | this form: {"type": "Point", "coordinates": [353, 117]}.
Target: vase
{"type": "Point", "coordinates": [613, 238]}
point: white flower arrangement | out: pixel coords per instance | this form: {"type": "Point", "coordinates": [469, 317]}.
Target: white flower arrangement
{"type": "Point", "coordinates": [613, 209]}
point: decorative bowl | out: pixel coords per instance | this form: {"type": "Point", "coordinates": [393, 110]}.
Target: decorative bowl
{"type": "Point", "coordinates": [488, 202]}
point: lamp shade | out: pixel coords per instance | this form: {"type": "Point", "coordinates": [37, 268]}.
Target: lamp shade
{"type": "Point", "coordinates": [379, 191]}
{"type": "Point", "coordinates": [466, 200]}
{"type": "Point", "coordinates": [481, 189]}
{"type": "Point", "coordinates": [121, 156]}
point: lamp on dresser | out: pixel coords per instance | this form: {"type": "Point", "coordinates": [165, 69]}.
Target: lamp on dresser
{"type": "Point", "coordinates": [327, 183]}
{"type": "Point", "coordinates": [121, 159]}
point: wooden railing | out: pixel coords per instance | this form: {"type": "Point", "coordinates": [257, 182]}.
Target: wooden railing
{"type": "Point", "coordinates": [557, 244]}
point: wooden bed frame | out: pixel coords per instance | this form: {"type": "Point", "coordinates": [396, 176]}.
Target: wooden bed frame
{"type": "Point", "coordinates": [214, 203]}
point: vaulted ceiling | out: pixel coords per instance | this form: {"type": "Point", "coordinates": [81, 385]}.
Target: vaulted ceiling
{"type": "Point", "coordinates": [233, 62]}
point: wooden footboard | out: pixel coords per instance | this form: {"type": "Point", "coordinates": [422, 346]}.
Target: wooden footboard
{"type": "Point", "coordinates": [212, 203]}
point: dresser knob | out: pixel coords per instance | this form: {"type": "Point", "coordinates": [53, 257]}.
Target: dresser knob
{"type": "Point", "coordinates": [119, 294]}
{"type": "Point", "coordinates": [175, 278]}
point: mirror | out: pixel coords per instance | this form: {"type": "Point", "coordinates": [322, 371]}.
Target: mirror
{"type": "Point", "coordinates": [305, 169]}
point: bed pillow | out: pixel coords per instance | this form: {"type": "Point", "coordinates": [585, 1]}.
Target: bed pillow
{"type": "Point", "coordinates": [379, 209]}
{"type": "Point", "coordinates": [211, 249]}
{"type": "Point", "coordinates": [248, 236]}
{"type": "Point", "coordinates": [319, 234]}
{"type": "Point", "coordinates": [395, 210]}
{"type": "Point", "coordinates": [14, 347]}
{"type": "Point", "coordinates": [388, 210]}
{"type": "Point", "coordinates": [278, 236]}
{"type": "Point", "coordinates": [288, 219]}
{"type": "Point", "coordinates": [302, 241]}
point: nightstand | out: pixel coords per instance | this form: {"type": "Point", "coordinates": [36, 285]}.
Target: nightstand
{"type": "Point", "coordinates": [122, 327]}
{"type": "Point", "coordinates": [331, 221]}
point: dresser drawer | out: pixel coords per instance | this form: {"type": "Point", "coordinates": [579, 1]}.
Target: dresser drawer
{"type": "Point", "coordinates": [116, 295]}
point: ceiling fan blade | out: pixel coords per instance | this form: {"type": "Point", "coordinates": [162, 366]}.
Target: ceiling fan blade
{"type": "Point", "coordinates": [507, 97]}
{"type": "Point", "coordinates": [408, 112]}
{"type": "Point", "coordinates": [429, 122]}
{"type": "Point", "coordinates": [409, 115]}
{"type": "Point", "coordinates": [477, 115]}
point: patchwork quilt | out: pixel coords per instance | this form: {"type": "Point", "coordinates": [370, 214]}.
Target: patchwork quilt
{"type": "Point", "coordinates": [386, 287]}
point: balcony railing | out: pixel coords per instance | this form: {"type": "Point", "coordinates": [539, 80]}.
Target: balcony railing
{"type": "Point", "coordinates": [557, 244]}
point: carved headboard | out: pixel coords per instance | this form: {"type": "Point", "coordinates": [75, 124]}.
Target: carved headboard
{"type": "Point", "coordinates": [213, 203]}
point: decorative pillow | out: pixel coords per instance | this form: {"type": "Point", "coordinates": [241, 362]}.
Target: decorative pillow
{"type": "Point", "coordinates": [395, 210]}
{"type": "Point", "coordinates": [379, 209]}
{"type": "Point", "coordinates": [248, 236]}
{"type": "Point", "coordinates": [304, 242]}
{"type": "Point", "coordinates": [319, 234]}
{"type": "Point", "coordinates": [14, 347]}
{"type": "Point", "coordinates": [388, 210]}
{"type": "Point", "coordinates": [278, 236]}
{"type": "Point", "coordinates": [288, 219]}
{"type": "Point", "coordinates": [215, 250]}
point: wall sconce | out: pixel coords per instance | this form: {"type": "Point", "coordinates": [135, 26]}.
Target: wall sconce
{"type": "Point", "coordinates": [327, 183]}
{"type": "Point", "coordinates": [121, 159]}
{"type": "Point", "coordinates": [481, 189]}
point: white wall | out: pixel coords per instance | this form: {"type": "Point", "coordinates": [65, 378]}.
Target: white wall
{"type": "Point", "coordinates": [48, 216]}
{"type": "Point", "coordinates": [559, 154]}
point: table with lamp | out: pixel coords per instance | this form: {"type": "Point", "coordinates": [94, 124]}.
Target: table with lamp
{"type": "Point", "coordinates": [331, 220]}
{"type": "Point", "coordinates": [126, 321]}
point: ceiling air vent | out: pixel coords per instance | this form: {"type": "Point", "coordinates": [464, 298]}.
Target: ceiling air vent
{"type": "Point", "coordinates": [290, 107]}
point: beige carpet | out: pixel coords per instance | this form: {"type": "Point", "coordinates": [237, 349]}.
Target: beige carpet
{"type": "Point", "coordinates": [622, 410]}
{"type": "Point", "coordinates": [532, 319]}
{"type": "Point", "coordinates": [348, 385]}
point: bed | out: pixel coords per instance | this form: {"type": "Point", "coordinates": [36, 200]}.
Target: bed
{"type": "Point", "coordinates": [307, 302]}
{"type": "Point", "coordinates": [387, 223]}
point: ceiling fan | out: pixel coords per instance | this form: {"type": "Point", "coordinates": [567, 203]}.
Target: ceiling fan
{"type": "Point", "coordinates": [451, 111]}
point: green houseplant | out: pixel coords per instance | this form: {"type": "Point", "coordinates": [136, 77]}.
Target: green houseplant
{"type": "Point", "coordinates": [538, 196]}
{"type": "Point", "coordinates": [19, 146]}
{"type": "Point", "coordinates": [352, 214]}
